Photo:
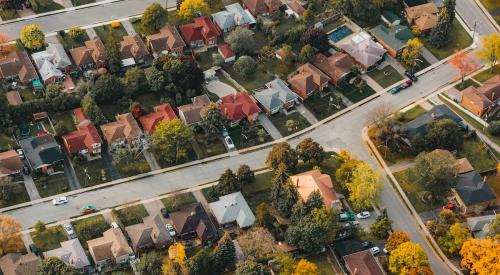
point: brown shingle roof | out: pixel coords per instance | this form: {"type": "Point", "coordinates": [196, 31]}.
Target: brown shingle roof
{"type": "Point", "coordinates": [111, 244]}
{"type": "Point", "coordinates": [314, 180]}
{"type": "Point", "coordinates": [17, 264]}
{"type": "Point", "coordinates": [10, 162]}
{"type": "Point", "coordinates": [335, 66]}
{"type": "Point", "coordinates": [192, 112]}
{"type": "Point", "coordinates": [168, 39]}
{"type": "Point", "coordinates": [193, 219]}
{"type": "Point", "coordinates": [362, 262]}
{"type": "Point", "coordinates": [308, 78]}
{"type": "Point", "coordinates": [125, 127]}
{"type": "Point", "coordinates": [424, 16]}
{"type": "Point", "coordinates": [17, 63]}
{"type": "Point", "coordinates": [132, 46]}
{"type": "Point", "coordinates": [14, 98]}
{"type": "Point", "coordinates": [81, 56]}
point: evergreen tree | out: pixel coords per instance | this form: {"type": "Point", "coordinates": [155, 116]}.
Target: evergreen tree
{"type": "Point", "coordinates": [315, 200]}
{"type": "Point", "coordinates": [113, 58]}
{"type": "Point", "coordinates": [310, 151]}
{"type": "Point", "coordinates": [91, 110]}
{"type": "Point", "coordinates": [279, 181]}
{"type": "Point", "coordinates": [223, 255]}
{"type": "Point", "coordinates": [199, 264]}
{"type": "Point", "coordinates": [245, 174]}
{"type": "Point", "coordinates": [439, 34]}
{"type": "Point", "coordinates": [213, 121]}
{"type": "Point", "coordinates": [450, 7]}
{"type": "Point", "coordinates": [289, 198]}
{"type": "Point", "coordinates": [228, 183]}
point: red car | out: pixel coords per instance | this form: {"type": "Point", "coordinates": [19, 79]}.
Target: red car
{"type": "Point", "coordinates": [449, 206]}
{"type": "Point", "coordinates": [87, 209]}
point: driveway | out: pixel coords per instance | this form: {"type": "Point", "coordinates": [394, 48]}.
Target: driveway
{"type": "Point", "coordinates": [69, 172]}
{"type": "Point", "coordinates": [269, 126]}
{"type": "Point", "coordinates": [306, 113]}
{"type": "Point", "coordinates": [108, 160]}
{"type": "Point", "coordinates": [30, 186]}
{"type": "Point", "coordinates": [220, 88]}
{"type": "Point", "coordinates": [129, 28]}
{"type": "Point", "coordinates": [150, 158]}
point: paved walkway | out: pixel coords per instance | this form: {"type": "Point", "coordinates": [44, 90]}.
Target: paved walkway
{"type": "Point", "coordinates": [129, 28]}
{"type": "Point", "coordinates": [27, 240]}
{"type": "Point", "coordinates": [400, 166]}
{"type": "Point", "coordinates": [372, 83]}
{"type": "Point", "coordinates": [91, 33]}
{"type": "Point", "coordinates": [69, 172]}
{"type": "Point", "coordinates": [306, 113]}
{"type": "Point", "coordinates": [220, 88]}
{"type": "Point", "coordinates": [107, 216]}
{"type": "Point", "coordinates": [201, 198]}
{"type": "Point", "coordinates": [31, 187]}
{"type": "Point", "coordinates": [150, 158]}
{"type": "Point", "coordinates": [269, 126]}
{"type": "Point", "coordinates": [426, 105]}
{"type": "Point", "coordinates": [345, 100]}
{"type": "Point", "coordinates": [108, 160]}
{"type": "Point", "coordinates": [429, 56]}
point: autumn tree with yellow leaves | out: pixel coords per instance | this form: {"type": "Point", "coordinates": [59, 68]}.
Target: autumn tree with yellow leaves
{"type": "Point", "coordinates": [305, 267]}
{"type": "Point", "coordinates": [10, 235]}
{"type": "Point", "coordinates": [189, 8]}
{"type": "Point", "coordinates": [365, 186]}
{"type": "Point", "coordinates": [452, 241]}
{"type": "Point", "coordinates": [396, 239]}
{"type": "Point", "coordinates": [409, 258]}
{"type": "Point", "coordinates": [411, 54]}
{"type": "Point", "coordinates": [32, 37]}
{"type": "Point", "coordinates": [481, 256]}
{"type": "Point", "coordinates": [491, 49]}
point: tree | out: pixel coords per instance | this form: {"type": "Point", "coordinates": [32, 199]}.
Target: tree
{"type": "Point", "coordinates": [304, 267]}
{"type": "Point", "coordinates": [223, 256]}
{"type": "Point", "coordinates": [381, 228]}
{"type": "Point", "coordinates": [407, 258]}
{"type": "Point", "coordinates": [10, 235]}
{"type": "Point", "coordinates": [288, 199]}
{"type": "Point", "coordinates": [411, 54]}
{"type": "Point", "coordinates": [113, 56]}
{"type": "Point", "coordinates": [53, 89]}
{"type": "Point", "coordinates": [347, 166]}
{"type": "Point", "coordinates": [279, 180]}
{"type": "Point", "coordinates": [495, 227]}
{"type": "Point", "coordinates": [213, 121]}
{"type": "Point", "coordinates": [250, 267]}
{"type": "Point", "coordinates": [396, 239]}
{"type": "Point", "coordinates": [245, 174]}
{"type": "Point", "coordinates": [285, 264]}
{"type": "Point", "coordinates": [189, 8]}
{"type": "Point", "coordinates": [156, 79]}
{"type": "Point", "coordinates": [263, 217]}
{"type": "Point", "coordinates": [154, 18]}
{"type": "Point", "coordinates": [108, 88]}
{"type": "Point", "coordinates": [91, 110]}
{"type": "Point", "coordinates": [310, 151]}
{"type": "Point", "coordinates": [490, 52]}
{"type": "Point", "coordinates": [481, 256]}
{"type": "Point", "coordinates": [282, 153]}
{"type": "Point", "coordinates": [439, 34]}
{"type": "Point", "coordinates": [494, 128]}
{"type": "Point", "coordinates": [177, 253]}
{"type": "Point", "coordinates": [257, 244]}
{"type": "Point", "coordinates": [436, 171]}
{"type": "Point", "coordinates": [454, 239]}
{"type": "Point", "coordinates": [314, 200]}
{"type": "Point", "coordinates": [290, 125]}
{"type": "Point", "coordinates": [150, 263]}
{"type": "Point", "coordinates": [54, 266]}
{"type": "Point", "coordinates": [199, 264]}
{"type": "Point", "coordinates": [32, 37]}
{"type": "Point", "coordinates": [306, 53]}
{"type": "Point", "coordinates": [245, 66]}
{"type": "Point", "coordinates": [314, 231]}
{"type": "Point", "coordinates": [317, 38]}
{"type": "Point", "coordinates": [228, 183]}
{"type": "Point", "coordinates": [287, 56]}
{"type": "Point", "coordinates": [443, 134]}
{"type": "Point", "coordinates": [135, 80]}
{"type": "Point", "coordinates": [241, 41]}
{"type": "Point", "coordinates": [76, 33]}
{"type": "Point", "coordinates": [364, 187]}
{"type": "Point", "coordinates": [39, 227]}
{"type": "Point", "coordinates": [450, 7]}
{"type": "Point", "coordinates": [172, 140]}
{"type": "Point", "coordinates": [464, 64]}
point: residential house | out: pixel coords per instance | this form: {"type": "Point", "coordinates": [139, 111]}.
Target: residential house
{"type": "Point", "coordinates": [363, 49]}
{"type": "Point", "coordinates": [390, 18]}
{"type": "Point", "coordinates": [42, 152]}
{"type": "Point", "coordinates": [18, 264]}
{"type": "Point", "coordinates": [363, 262]}
{"type": "Point", "coordinates": [10, 163]}
{"type": "Point", "coordinates": [419, 124]}
{"type": "Point", "coordinates": [52, 63]}
{"type": "Point", "coordinates": [337, 66]}
{"type": "Point", "coordinates": [294, 9]}
{"type": "Point", "coordinates": [190, 114]}
{"type": "Point", "coordinates": [480, 226]}
{"type": "Point", "coordinates": [314, 180]}
{"type": "Point", "coordinates": [202, 32]}
{"type": "Point", "coordinates": [308, 80]}
{"type": "Point", "coordinates": [262, 7]}
{"type": "Point", "coordinates": [85, 140]}
{"type": "Point", "coordinates": [16, 66]}
{"type": "Point", "coordinates": [109, 250]}
{"type": "Point", "coordinates": [91, 55]}
{"type": "Point", "coordinates": [472, 194]}
{"type": "Point", "coordinates": [393, 38]}
{"type": "Point", "coordinates": [72, 254]}
{"type": "Point", "coordinates": [232, 208]}
{"type": "Point", "coordinates": [133, 50]}
{"type": "Point", "coordinates": [239, 106]}
{"type": "Point", "coordinates": [276, 97]}
{"type": "Point", "coordinates": [162, 112]}
{"type": "Point", "coordinates": [481, 100]}
{"type": "Point", "coordinates": [123, 132]}
{"type": "Point", "coordinates": [423, 16]}
{"type": "Point", "coordinates": [463, 164]}
{"type": "Point", "coordinates": [227, 54]}
{"type": "Point", "coordinates": [14, 98]}
{"type": "Point", "coordinates": [194, 222]}
{"type": "Point", "coordinates": [148, 234]}
{"type": "Point", "coordinates": [168, 40]}
{"type": "Point", "coordinates": [233, 16]}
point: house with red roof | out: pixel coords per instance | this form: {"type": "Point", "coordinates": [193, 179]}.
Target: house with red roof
{"type": "Point", "coordinates": [262, 7]}
{"type": "Point", "coordinates": [201, 32]}
{"type": "Point", "coordinates": [239, 106]}
{"type": "Point", "coordinates": [85, 140]}
{"type": "Point", "coordinates": [226, 52]}
{"type": "Point", "coordinates": [161, 113]}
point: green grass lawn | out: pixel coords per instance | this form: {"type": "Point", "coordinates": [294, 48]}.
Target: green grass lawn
{"type": "Point", "coordinates": [66, 119]}
{"type": "Point", "coordinates": [321, 107]}
{"type": "Point", "coordinates": [149, 101]}
{"type": "Point", "coordinates": [487, 74]}
{"type": "Point", "coordinates": [103, 32]}
{"type": "Point", "coordinates": [178, 202]}
{"type": "Point", "coordinates": [131, 165]}
{"type": "Point", "coordinates": [137, 24]}
{"type": "Point", "coordinates": [47, 6]}
{"type": "Point", "coordinates": [97, 172]}
{"type": "Point", "coordinates": [49, 239]}
{"type": "Point", "coordinates": [493, 6]}
{"type": "Point", "coordinates": [205, 148]}
{"type": "Point", "coordinates": [264, 74]}
{"type": "Point", "coordinates": [17, 194]}
{"type": "Point", "coordinates": [354, 94]}
{"type": "Point", "coordinates": [386, 76]}
{"type": "Point", "coordinates": [26, 94]}
{"type": "Point", "coordinates": [474, 150]}
{"type": "Point", "coordinates": [467, 83]}
{"type": "Point", "coordinates": [458, 39]}
{"type": "Point", "coordinates": [258, 191]}
{"type": "Point", "coordinates": [51, 185]}
{"type": "Point", "coordinates": [279, 120]}
{"type": "Point", "coordinates": [204, 59]}
{"type": "Point", "coordinates": [412, 114]}
{"type": "Point", "coordinates": [249, 137]}
{"type": "Point", "coordinates": [82, 2]}
{"type": "Point", "coordinates": [412, 189]}
{"type": "Point", "coordinates": [132, 215]}
{"type": "Point", "coordinates": [321, 261]}
{"type": "Point", "coordinates": [110, 110]}
{"type": "Point", "coordinates": [78, 225]}
{"type": "Point", "coordinates": [494, 183]}
{"type": "Point", "coordinates": [332, 25]}
{"type": "Point", "coordinates": [260, 39]}
{"type": "Point", "coordinates": [70, 43]}
{"type": "Point", "coordinates": [8, 14]}
{"type": "Point", "coordinates": [7, 142]}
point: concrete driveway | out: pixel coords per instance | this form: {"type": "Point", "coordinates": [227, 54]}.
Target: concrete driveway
{"type": "Point", "coordinates": [220, 88]}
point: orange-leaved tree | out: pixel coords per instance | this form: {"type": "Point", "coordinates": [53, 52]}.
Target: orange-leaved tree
{"type": "Point", "coordinates": [10, 235]}
{"type": "Point", "coordinates": [464, 65]}
{"type": "Point", "coordinates": [481, 256]}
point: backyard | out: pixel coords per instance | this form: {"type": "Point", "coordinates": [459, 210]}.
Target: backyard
{"type": "Point", "coordinates": [477, 154]}
{"type": "Point", "coordinates": [321, 106]}
{"type": "Point", "coordinates": [49, 239]}
{"type": "Point", "coordinates": [104, 31]}
{"type": "Point", "coordinates": [90, 228]}
{"type": "Point", "coordinates": [70, 43]}
{"type": "Point", "coordinates": [90, 173]}
{"type": "Point", "coordinates": [204, 59]}
{"type": "Point", "coordinates": [386, 76]}
{"type": "Point", "coordinates": [6, 142]}
{"type": "Point", "coordinates": [244, 138]}
{"type": "Point", "coordinates": [148, 101]}
{"type": "Point", "coordinates": [131, 215]}
{"type": "Point", "coordinates": [16, 194]}
{"type": "Point", "coordinates": [265, 73]}
{"type": "Point", "coordinates": [458, 39]}
{"type": "Point", "coordinates": [354, 94]}
{"type": "Point", "coordinates": [179, 201]}
{"type": "Point", "coordinates": [54, 184]}
{"type": "Point", "coordinates": [65, 120]}
{"type": "Point", "coordinates": [322, 262]}
{"type": "Point", "coordinates": [280, 120]}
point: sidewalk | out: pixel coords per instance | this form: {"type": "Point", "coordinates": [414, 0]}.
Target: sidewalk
{"type": "Point", "coordinates": [401, 166]}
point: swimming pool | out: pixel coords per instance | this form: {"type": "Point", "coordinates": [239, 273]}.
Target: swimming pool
{"type": "Point", "coordinates": [339, 33]}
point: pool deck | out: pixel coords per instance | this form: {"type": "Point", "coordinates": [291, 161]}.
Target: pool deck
{"type": "Point", "coordinates": [349, 24]}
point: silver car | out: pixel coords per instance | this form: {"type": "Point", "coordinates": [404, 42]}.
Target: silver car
{"type": "Point", "coordinates": [69, 230]}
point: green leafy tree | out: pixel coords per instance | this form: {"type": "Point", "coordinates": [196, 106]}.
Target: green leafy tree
{"type": "Point", "coordinates": [76, 33]}
{"type": "Point", "coordinates": [306, 53]}
{"type": "Point", "coordinates": [32, 37]}
{"type": "Point", "coordinates": [200, 263]}
{"type": "Point", "coordinates": [172, 139]}
{"type": "Point", "coordinates": [213, 121]}
{"type": "Point", "coordinates": [317, 38]}
{"type": "Point", "coordinates": [381, 228]}
{"type": "Point", "coordinates": [279, 180]}
{"type": "Point", "coordinates": [250, 267]}
{"type": "Point", "coordinates": [314, 200]}
{"type": "Point", "coordinates": [150, 263]}
{"type": "Point", "coordinates": [91, 110]}
{"type": "Point", "coordinates": [245, 66]}
{"type": "Point", "coordinates": [245, 174]}
{"type": "Point", "coordinates": [299, 212]}
{"type": "Point", "coordinates": [107, 89]}
{"type": "Point", "coordinates": [494, 128]}
{"type": "Point", "coordinates": [282, 153]}
{"type": "Point", "coordinates": [443, 134]}
{"type": "Point", "coordinates": [285, 264]}
{"type": "Point", "coordinates": [54, 266]}
{"type": "Point", "coordinates": [135, 80]}
{"type": "Point", "coordinates": [39, 227]}
{"type": "Point", "coordinates": [242, 41]}
{"type": "Point", "coordinates": [439, 34]}
{"type": "Point", "coordinates": [228, 183]}
{"type": "Point", "coordinates": [263, 217]}
{"type": "Point", "coordinates": [453, 240]}
{"type": "Point", "coordinates": [310, 151]}
{"type": "Point", "coordinates": [53, 89]}
{"type": "Point", "coordinates": [364, 188]}
{"type": "Point", "coordinates": [113, 56]}
{"type": "Point", "coordinates": [156, 79]}
{"type": "Point", "coordinates": [223, 256]}
{"type": "Point", "coordinates": [154, 18]}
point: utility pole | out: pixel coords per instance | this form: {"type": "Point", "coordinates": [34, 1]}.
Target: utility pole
{"type": "Point", "coordinates": [474, 31]}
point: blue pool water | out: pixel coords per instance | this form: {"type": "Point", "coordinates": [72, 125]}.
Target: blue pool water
{"type": "Point", "coordinates": [339, 33]}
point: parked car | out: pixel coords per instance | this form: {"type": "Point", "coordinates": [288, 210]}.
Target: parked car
{"type": "Point", "coordinates": [450, 206]}
{"type": "Point", "coordinates": [114, 225]}
{"type": "Point", "coordinates": [395, 89]}
{"type": "Point", "coordinates": [225, 133]}
{"type": "Point", "coordinates": [367, 244]}
{"type": "Point", "coordinates": [411, 76]}
{"type": "Point", "coordinates": [229, 143]}
{"type": "Point", "coordinates": [20, 153]}
{"type": "Point", "coordinates": [26, 170]}
{"type": "Point", "coordinates": [170, 230]}
{"type": "Point", "coordinates": [347, 216]}
{"type": "Point", "coordinates": [375, 250]}
{"type": "Point", "coordinates": [363, 215]}
{"type": "Point", "coordinates": [34, 249]}
{"type": "Point", "coordinates": [69, 230]}
{"type": "Point", "coordinates": [60, 200]}
{"type": "Point", "coordinates": [88, 209]}
{"type": "Point", "coordinates": [165, 213]}
{"type": "Point", "coordinates": [385, 250]}
{"type": "Point", "coordinates": [407, 84]}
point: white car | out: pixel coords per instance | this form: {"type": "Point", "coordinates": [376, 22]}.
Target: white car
{"type": "Point", "coordinates": [229, 143]}
{"type": "Point", "coordinates": [385, 250]}
{"type": "Point", "coordinates": [114, 225]}
{"type": "Point", "coordinates": [363, 215]}
{"type": "Point", "coordinates": [20, 153]}
{"type": "Point", "coordinates": [60, 200]}
{"type": "Point", "coordinates": [170, 230]}
{"type": "Point", "coordinates": [69, 230]}
{"type": "Point", "coordinates": [375, 250]}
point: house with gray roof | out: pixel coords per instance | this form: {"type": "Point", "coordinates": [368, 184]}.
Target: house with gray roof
{"type": "Point", "coordinates": [393, 39]}
{"type": "Point", "coordinates": [232, 208]}
{"type": "Point", "coordinates": [363, 49]}
{"type": "Point", "coordinates": [42, 152]}
{"type": "Point", "coordinates": [52, 63]}
{"type": "Point", "coordinates": [276, 96]}
{"type": "Point", "coordinates": [419, 124]}
{"type": "Point", "coordinates": [473, 194]}
{"type": "Point", "coordinates": [233, 16]}
{"type": "Point", "coordinates": [480, 226]}
{"type": "Point", "coordinates": [150, 233]}
{"type": "Point", "coordinates": [72, 254]}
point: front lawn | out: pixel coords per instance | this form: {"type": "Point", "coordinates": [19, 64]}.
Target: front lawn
{"type": "Point", "coordinates": [386, 76]}
{"type": "Point", "coordinates": [487, 74]}
{"type": "Point", "coordinates": [258, 191]}
{"type": "Point", "coordinates": [104, 31]}
{"type": "Point", "coordinates": [458, 39]}
{"type": "Point", "coordinates": [321, 106]}
{"type": "Point", "coordinates": [204, 147]}
{"type": "Point", "coordinates": [131, 164]}
{"type": "Point", "coordinates": [90, 173]}
{"type": "Point", "coordinates": [279, 120]}
{"type": "Point", "coordinates": [8, 14]}
{"type": "Point", "coordinates": [476, 152]}
{"type": "Point", "coordinates": [177, 202]}
{"type": "Point", "coordinates": [244, 138]}
{"type": "Point", "coordinates": [70, 43]}
{"type": "Point", "coordinates": [354, 94]}
{"type": "Point", "coordinates": [137, 24]}
{"type": "Point", "coordinates": [413, 190]}
{"type": "Point", "coordinates": [131, 215]}
{"type": "Point", "coordinates": [51, 185]}
{"type": "Point", "coordinates": [467, 83]}
{"type": "Point", "coordinates": [90, 228]}
{"type": "Point", "coordinates": [82, 2]}
{"type": "Point", "coordinates": [49, 239]}
{"type": "Point", "coordinates": [16, 194]}
{"type": "Point", "coordinates": [47, 6]}
{"type": "Point", "coordinates": [411, 114]}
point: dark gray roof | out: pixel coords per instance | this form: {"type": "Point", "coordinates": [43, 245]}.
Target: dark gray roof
{"type": "Point", "coordinates": [472, 189]}
{"type": "Point", "coordinates": [395, 37]}
{"type": "Point", "coordinates": [41, 150]}
{"type": "Point", "coordinates": [419, 124]}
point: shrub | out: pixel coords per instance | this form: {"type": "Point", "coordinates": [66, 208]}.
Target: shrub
{"type": "Point", "coordinates": [494, 128]}
{"type": "Point", "coordinates": [76, 33]}
{"type": "Point", "coordinates": [245, 66]}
